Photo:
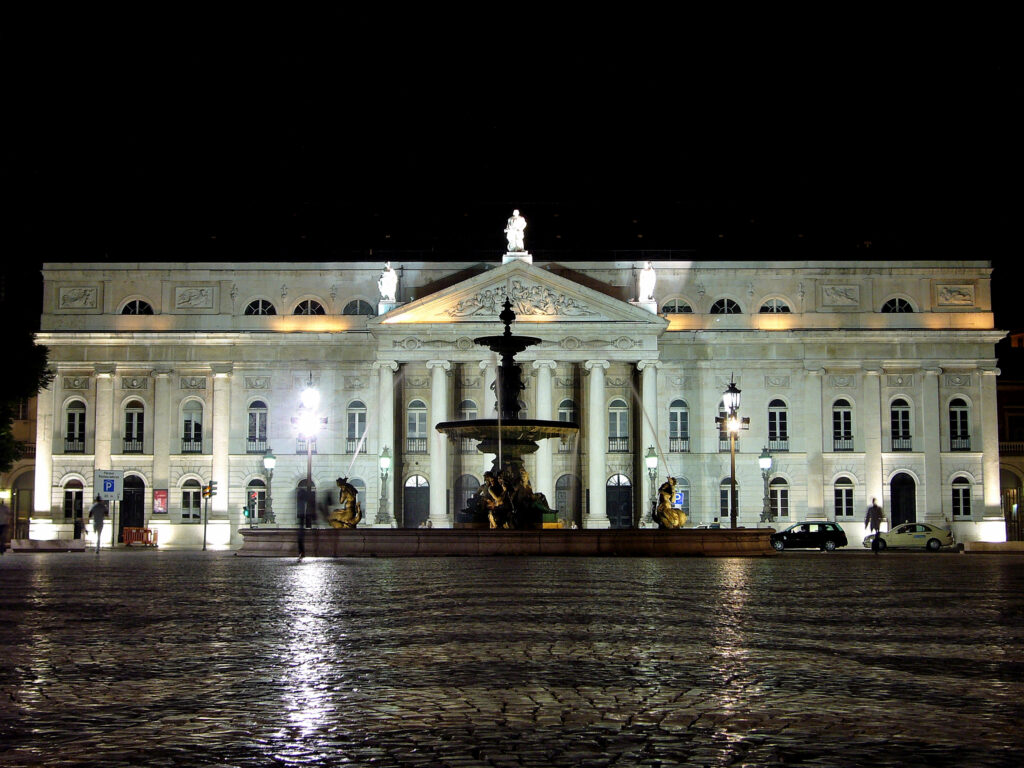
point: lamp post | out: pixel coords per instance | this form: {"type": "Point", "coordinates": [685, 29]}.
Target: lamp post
{"type": "Point", "coordinates": [269, 462]}
{"type": "Point", "coordinates": [732, 423]}
{"type": "Point", "coordinates": [308, 424]}
{"type": "Point", "coordinates": [764, 461]}
{"type": "Point", "coordinates": [383, 518]}
{"type": "Point", "coordinates": [651, 460]}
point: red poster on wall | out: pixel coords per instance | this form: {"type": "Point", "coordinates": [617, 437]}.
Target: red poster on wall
{"type": "Point", "coordinates": [159, 502]}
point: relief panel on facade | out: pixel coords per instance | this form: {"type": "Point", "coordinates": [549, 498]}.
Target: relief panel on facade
{"type": "Point", "coordinates": [527, 299]}
{"type": "Point", "coordinates": [961, 295]}
{"type": "Point", "coordinates": [900, 380]}
{"type": "Point", "coordinates": [193, 297]}
{"type": "Point", "coordinates": [257, 382]}
{"type": "Point", "coordinates": [840, 296]}
{"type": "Point", "coordinates": [134, 382]}
{"type": "Point", "coordinates": [957, 379]}
{"type": "Point", "coordinates": [79, 297]}
{"type": "Point", "coordinates": [76, 382]}
{"type": "Point", "coordinates": [776, 382]}
{"type": "Point", "coordinates": [193, 382]}
{"type": "Point", "coordinates": [842, 381]}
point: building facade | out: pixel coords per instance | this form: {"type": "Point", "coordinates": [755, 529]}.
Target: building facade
{"type": "Point", "coordinates": [862, 381]}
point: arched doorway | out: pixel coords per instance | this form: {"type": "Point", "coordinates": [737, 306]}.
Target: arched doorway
{"type": "Point", "coordinates": [133, 505]}
{"type": "Point", "coordinates": [619, 502]}
{"type": "Point", "coordinates": [567, 501]}
{"type": "Point", "coordinates": [1010, 496]}
{"type": "Point", "coordinates": [415, 502]}
{"type": "Point", "coordinates": [305, 500]}
{"type": "Point", "coordinates": [902, 500]}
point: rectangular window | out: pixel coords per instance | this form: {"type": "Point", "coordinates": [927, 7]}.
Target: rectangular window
{"type": "Point", "coordinates": [779, 499]}
{"type": "Point", "coordinates": [844, 501]}
{"type": "Point", "coordinates": [961, 501]}
{"type": "Point", "coordinates": [191, 499]}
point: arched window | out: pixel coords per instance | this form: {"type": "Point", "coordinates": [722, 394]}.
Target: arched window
{"type": "Point", "coordinates": [416, 427]}
{"type": "Point", "coordinates": [959, 425]}
{"type": "Point", "coordinates": [134, 415]}
{"type": "Point", "coordinates": [842, 426]}
{"type": "Point", "coordinates": [899, 417]}
{"type": "Point", "coordinates": [897, 305]}
{"type": "Point", "coordinates": [358, 307]}
{"type": "Point", "coordinates": [775, 307]}
{"type": "Point", "coordinates": [683, 494]}
{"type": "Point", "coordinates": [678, 427]}
{"type": "Point", "coordinates": [356, 417]}
{"type": "Point", "coordinates": [137, 307]}
{"type": "Point", "coordinates": [308, 307]}
{"type": "Point", "coordinates": [778, 427]}
{"type": "Point", "coordinates": [843, 495]}
{"type": "Point", "coordinates": [258, 487]}
{"type": "Point", "coordinates": [961, 496]}
{"type": "Point", "coordinates": [676, 307]}
{"type": "Point", "coordinates": [260, 307]}
{"type": "Point", "coordinates": [467, 412]}
{"type": "Point", "coordinates": [73, 498]}
{"type": "Point", "coordinates": [256, 437]}
{"type": "Point", "coordinates": [726, 307]}
{"type": "Point", "coordinates": [192, 427]}
{"type": "Point", "coordinates": [618, 427]}
{"type": "Point", "coordinates": [567, 410]}
{"type": "Point", "coordinates": [723, 432]}
{"type": "Point", "coordinates": [191, 501]}
{"type": "Point", "coordinates": [74, 433]}
{"type": "Point", "coordinates": [724, 496]}
{"type": "Point", "coordinates": [778, 496]}
{"type": "Point", "coordinates": [360, 487]}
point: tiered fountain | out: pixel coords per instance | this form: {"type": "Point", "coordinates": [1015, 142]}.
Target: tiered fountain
{"type": "Point", "coordinates": [506, 500]}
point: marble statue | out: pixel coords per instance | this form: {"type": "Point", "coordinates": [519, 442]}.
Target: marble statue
{"type": "Point", "coordinates": [645, 283]}
{"type": "Point", "coordinates": [348, 513]}
{"type": "Point", "coordinates": [387, 284]}
{"type": "Point", "coordinates": [514, 232]}
{"type": "Point", "coordinates": [667, 516]}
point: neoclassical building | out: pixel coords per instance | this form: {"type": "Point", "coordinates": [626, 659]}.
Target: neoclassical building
{"type": "Point", "coordinates": [867, 380]}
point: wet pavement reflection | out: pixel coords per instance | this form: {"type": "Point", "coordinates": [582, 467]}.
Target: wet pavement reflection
{"type": "Point", "coordinates": [206, 659]}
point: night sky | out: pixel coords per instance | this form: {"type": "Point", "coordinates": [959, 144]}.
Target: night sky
{"type": "Point", "coordinates": [323, 136]}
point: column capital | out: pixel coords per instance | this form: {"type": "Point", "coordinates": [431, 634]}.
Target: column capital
{"type": "Point", "coordinates": [814, 371]}
{"type": "Point", "coordinates": [931, 370]}
{"type": "Point", "coordinates": [485, 363]}
{"type": "Point", "coordinates": [872, 370]}
{"type": "Point", "coordinates": [642, 365]}
{"type": "Point", "coordinates": [989, 371]}
{"type": "Point", "coordinates": [549, 364]}
{"type": "Point", "coordinates": [445, 365]}
{"type": "Point", "coordinates": [592, 364]}
{"type": "Point", "coordinates": [221, 370]}
{"type": "Point", "coordinates": [379, 364]}
{"type": "Point", "coordinates": [162, 373]}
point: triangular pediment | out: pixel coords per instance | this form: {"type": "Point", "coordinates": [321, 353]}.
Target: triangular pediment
{"type": "Point", "coordinates": [537, 296]}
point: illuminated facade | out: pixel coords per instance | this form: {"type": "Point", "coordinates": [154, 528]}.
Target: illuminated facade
{"type": "Point", "coordinates": [868, 380]}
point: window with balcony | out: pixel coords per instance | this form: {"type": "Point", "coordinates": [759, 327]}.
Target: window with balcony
{"type": "Point", "coordinates": [618, 427]}
{"type": "Point", "coordinates": [899, 420]}
{"type": "Point", "coordinates": [842, 426]}
{"type": "Point", "coordinates": [961, 497]}
{"type": "Point", "coordinates": [467, 412]}
{"type": "Point", "coordinates": [778, 427]}
{"type": "Point", "coordinates": [959, 425]}
{"type": "Point", "coordinates": [74, 427]}
{"type": "Point", "coordinates": [724, 497]}
{"type": "Point", "coordinates": [134, 419]}
{"type": "Point", "coordinates": [567, 412]}
{"type": "Point", "coordinates": [723, 433]}
{"type": "Point", "coordinates": [416, 427]}
{"type": "Point", "coordinates": [256, 436]}
{"type": "Point", "coordinates": [678, 427]}
{"type": "Point", "coordinates": [842, 491]}
{"type": "Point", "coordinates": [192, 428]}
{"type": "Point", "coordinates": [356, 420]}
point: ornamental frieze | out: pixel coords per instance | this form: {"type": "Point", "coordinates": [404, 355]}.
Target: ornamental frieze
{"type": "Point", "coordinates": [526, 300]}
{"type": "Point", "coordinates": [354, 382]}
{"type": "Point", "coordinates": [842, 382]}
{"type": "Point", "coordinates": [193, 382]}
{"type": "Point", "coordinates": [417, 382]}
{"type": "Point", "coordinates": [257, 382]}
{"type": "Point", "coordinates": [78, 298]}
{"type": "Point", "coordinates": [958, 379]}
{"type": "Point", "coordinates": [193, 297]}
{"type": "Point", "coordinates": [900, 380]}
{"type": "Point", "coordinates": [134, 382]}
{"type": "Point", "coordinates": [776, 382]}
{"type": "Point", "coordinates": [840, 295]}
{"type": "Point", "coordinates": [954, 295]}
{"type": "Point", "coordinates": [76, 382]}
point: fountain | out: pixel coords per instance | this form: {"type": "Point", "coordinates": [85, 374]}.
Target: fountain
{"type": "Point", "coordinates": [506, 499]}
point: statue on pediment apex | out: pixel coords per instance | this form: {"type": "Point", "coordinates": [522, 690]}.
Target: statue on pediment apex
{"type": "Point", "coordinates": [515, 231]}
{"type": "Point", "coordinates": [387, 284]}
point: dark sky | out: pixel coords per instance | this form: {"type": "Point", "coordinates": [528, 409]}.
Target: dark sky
{"type": "Point", "coordinates": [309, 136]}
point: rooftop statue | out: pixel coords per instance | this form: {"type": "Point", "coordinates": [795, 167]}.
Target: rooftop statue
{"type": "Point", "coordinates": [387, 284]}
{"type": "Point", "coordinates": [645, 283]}
{"type": "Point", "coordinates": [514, 232]}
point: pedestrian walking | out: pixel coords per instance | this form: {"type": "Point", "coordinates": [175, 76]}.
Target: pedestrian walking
{"type": "Point", "coordinates": [5, 523]}
{"type": "Point", "coordinates": [873, 521]}
{"type": "Point", "coordinates": [98, 513]}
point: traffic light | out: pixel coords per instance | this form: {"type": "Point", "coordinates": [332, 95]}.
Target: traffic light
{"type": "Point", "coordinates": [210, 490]}
{"type": "Point", "coordinates": [253, 506]}
{"type": "Point", "coordinates": [206, 492]}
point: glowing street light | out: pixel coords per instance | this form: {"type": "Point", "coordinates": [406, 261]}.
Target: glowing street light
{"type": "Point", "coordinates": [269, 462]}
{"type": "Point", "coordinates": [732, 423]}
{"type": "Point", "coordinates": [383, 518]}
{"type": "Point", "coordinates": [651, 460]}
{"type": "Point", "coordinates": [764, 461]}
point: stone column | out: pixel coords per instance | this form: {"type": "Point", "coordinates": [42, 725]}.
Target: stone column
{"type": "Point", "coordinates": [221, 437]}
{"type": "Point", "coordinates": [597, 445]}
{"type": "Point", "coordinates": [163, 429]}
{"type": "Point", "coordinates": [931, 415]}
{"type": "Point", "coordinates": [438, 443]}
{"type": "Point", "coordinates": [871, 427]}
{"type": "Point", "coordinates": [648, 437]}
{"type": "Point", "coordinates": [46, 433]}
{"type": "Point", "coordinates": [545, 480]}
{"type": "Point", "coordinates": [812, 436]}
{"type": "Point", "coordinates": [386, 369]}
{"type": "Point", "coordinates": [104, 434]}
{"type": "Point", "coordinates": [988, 427]}
{"type": "Point", "coordinates": [487, 405]}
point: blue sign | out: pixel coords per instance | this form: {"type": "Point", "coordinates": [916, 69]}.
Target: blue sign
{"type": "Point", "coordinates": [109, 486]}
{"type": "Point", "coordinates": [679, 500]}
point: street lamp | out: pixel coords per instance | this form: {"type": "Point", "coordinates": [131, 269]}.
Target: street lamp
{"type": "Point", "coordinates": [651, 460]}
{"type": "Point", "coordinates": [732, 423]}
{"type": "Point", "coordinates": [764, 461]}
{"type": "Point", "coordinates": [308, 424]}
{"type": "Point", "coordinates": [269, 462]}
{"type": "Point", "coordinates": [383, 518]}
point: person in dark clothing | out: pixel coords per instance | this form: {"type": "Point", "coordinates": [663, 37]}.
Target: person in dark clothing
{"type": "Point", "coordinates": [873, 521]}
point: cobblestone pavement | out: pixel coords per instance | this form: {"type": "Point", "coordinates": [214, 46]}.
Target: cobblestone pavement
{"type": "Point", "coordinates": [206, 659]}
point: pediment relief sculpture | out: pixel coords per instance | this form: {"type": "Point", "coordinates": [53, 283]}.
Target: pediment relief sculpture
{"type": "Point", "coordinates": [526, 300]}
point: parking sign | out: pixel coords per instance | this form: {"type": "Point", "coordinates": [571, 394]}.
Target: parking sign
{"type": "Point", "coordinates": [109, 484]}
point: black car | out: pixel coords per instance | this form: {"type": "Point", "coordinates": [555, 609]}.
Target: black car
{"type": "Point", "coordinates": [816, 535]}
